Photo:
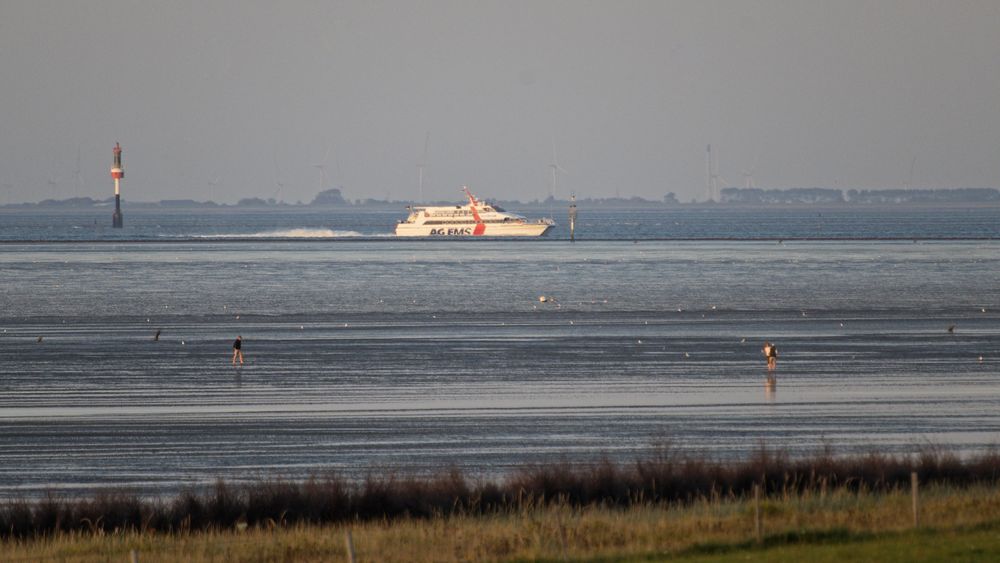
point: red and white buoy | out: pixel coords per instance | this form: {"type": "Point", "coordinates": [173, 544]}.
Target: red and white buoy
{"type": "Point", "coordinates": [117, 173]}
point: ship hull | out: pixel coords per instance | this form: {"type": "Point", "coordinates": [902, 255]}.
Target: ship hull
{"type": "Point", "coordinates": [471, 230]}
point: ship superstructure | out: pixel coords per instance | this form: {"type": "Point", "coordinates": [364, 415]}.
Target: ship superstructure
{"type": "Point", "coordinates": [475, 219]}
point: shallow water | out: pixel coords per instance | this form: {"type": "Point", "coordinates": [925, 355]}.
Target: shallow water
{"type": "Point", "coordinates": [416, 356]}
{"type": "Point", "coordinates": [673, 223]}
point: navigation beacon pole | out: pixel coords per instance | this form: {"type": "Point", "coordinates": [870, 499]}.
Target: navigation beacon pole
{"type": "Point", "coordinates": [572, 218]}
{"type": "Point", "coordinates": [117, 173]}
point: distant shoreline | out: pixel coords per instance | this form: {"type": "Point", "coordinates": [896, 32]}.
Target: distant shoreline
{"type": "Point", "coordinates": [736, 198]}
{"type": "Point", "coordinates": [531, 206]}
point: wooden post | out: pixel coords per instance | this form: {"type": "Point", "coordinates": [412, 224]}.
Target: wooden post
{"type": "Point", "coordinates": [350, 547]}
{"type": "Point", "coordinates": [914, 486]}
{"type": "Point", "coordinates": [758, 524]}
{"type": "Point", "coordinates": [133, 556]}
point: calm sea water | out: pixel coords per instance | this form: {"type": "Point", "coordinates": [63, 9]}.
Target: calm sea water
{"type": "Point", "coordinates": [593, 224]}
{"type": "Point", "coordinates": [385, 354]}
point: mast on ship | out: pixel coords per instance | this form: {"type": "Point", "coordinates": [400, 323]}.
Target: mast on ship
{"type": "Point", "coordinates": [480, 226]}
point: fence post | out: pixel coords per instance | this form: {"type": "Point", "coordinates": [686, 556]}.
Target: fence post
{"type": "Point", "coordinates": [758, 524]}
{"type": "Point", "coordinates": [914, 486]}
{"type": "Point", "coordinates": [350, 546]}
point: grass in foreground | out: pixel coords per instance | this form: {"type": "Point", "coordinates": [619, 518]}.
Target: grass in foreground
{"type": "Point", "coordinates": [976, 543]}
{"type": "Point", "coordinates": [958, 525]}
{"type": "Point", "coordinates": [666, 479]}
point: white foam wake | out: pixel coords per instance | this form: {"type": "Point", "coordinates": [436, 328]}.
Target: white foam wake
{"type": "Point", "coordinates": [290, 233]}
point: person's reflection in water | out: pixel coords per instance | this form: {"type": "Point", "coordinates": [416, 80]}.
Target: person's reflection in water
{"type": "Point", "coordinates": [770, 387]}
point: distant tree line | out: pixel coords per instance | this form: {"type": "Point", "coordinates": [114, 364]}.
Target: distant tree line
{"type": "Point", "coordinates": [736, 196]}
{"type": "Point", "coordinates": [791, 195]}
{"type": "Point", "coordinates": [924, 196]}
{"type": "Point", "coordinates": [830, 195]}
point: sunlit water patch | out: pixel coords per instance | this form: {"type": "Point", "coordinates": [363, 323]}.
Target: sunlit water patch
{"type": "Point", "coordinates": [409, 356]}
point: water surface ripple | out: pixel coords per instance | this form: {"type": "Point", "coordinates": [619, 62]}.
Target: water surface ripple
{"type": "Point", "coordinates": [414, 357]}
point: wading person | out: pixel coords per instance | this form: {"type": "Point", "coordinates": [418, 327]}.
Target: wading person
{"type": "Point", "coordinates": [238, 350]}
{"type": "Point", "coordinates": [768, 350]}
{"type": "Point", "coordinates": [771, 353]}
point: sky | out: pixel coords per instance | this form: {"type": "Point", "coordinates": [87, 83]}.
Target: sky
{"type": "Point", "coordinates": [228, 99]}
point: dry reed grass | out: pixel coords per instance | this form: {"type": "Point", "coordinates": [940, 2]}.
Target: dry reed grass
{"type": "Point", "coordinates": [667, 479]}
{"type": "Point", "coordinates": [553, 531]}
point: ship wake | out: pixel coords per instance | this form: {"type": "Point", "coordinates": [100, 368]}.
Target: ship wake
{"type": "Point", "coordinates": [286, 233]}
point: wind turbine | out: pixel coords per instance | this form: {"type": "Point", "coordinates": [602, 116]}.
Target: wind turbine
{"type": "Point", "coordinates": [720, 183]}
{"type": "Point", "coordinates": [420, 169]}
{"type": "Point", "coordinates": [211, 188]}
{"type": "Point", "coordinates": [715, 181]}
{"type": "Point", "coordinates": [322, 168]}
{"type": "Point", "coordinates": [748, 175]}
{"type": "Point", "coordinates": [909, 181]}
{"type": "Point", "coordinates": [711, 175]}
{"type": "Point", "coordinates": [53, 185]}
{"type": "Point", "coordinates": [77, 176]}
{"type": "Point", "coordinates": [556, 169]}
{"type": "Point", "coordinates": [278, 184]}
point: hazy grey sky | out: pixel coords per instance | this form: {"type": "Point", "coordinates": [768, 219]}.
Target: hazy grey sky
{"type": "Point", "coordinates": [836, 93]}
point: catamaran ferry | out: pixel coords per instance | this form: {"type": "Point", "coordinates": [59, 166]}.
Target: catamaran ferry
{"type": "Point", "coordinates": [477, 219]}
